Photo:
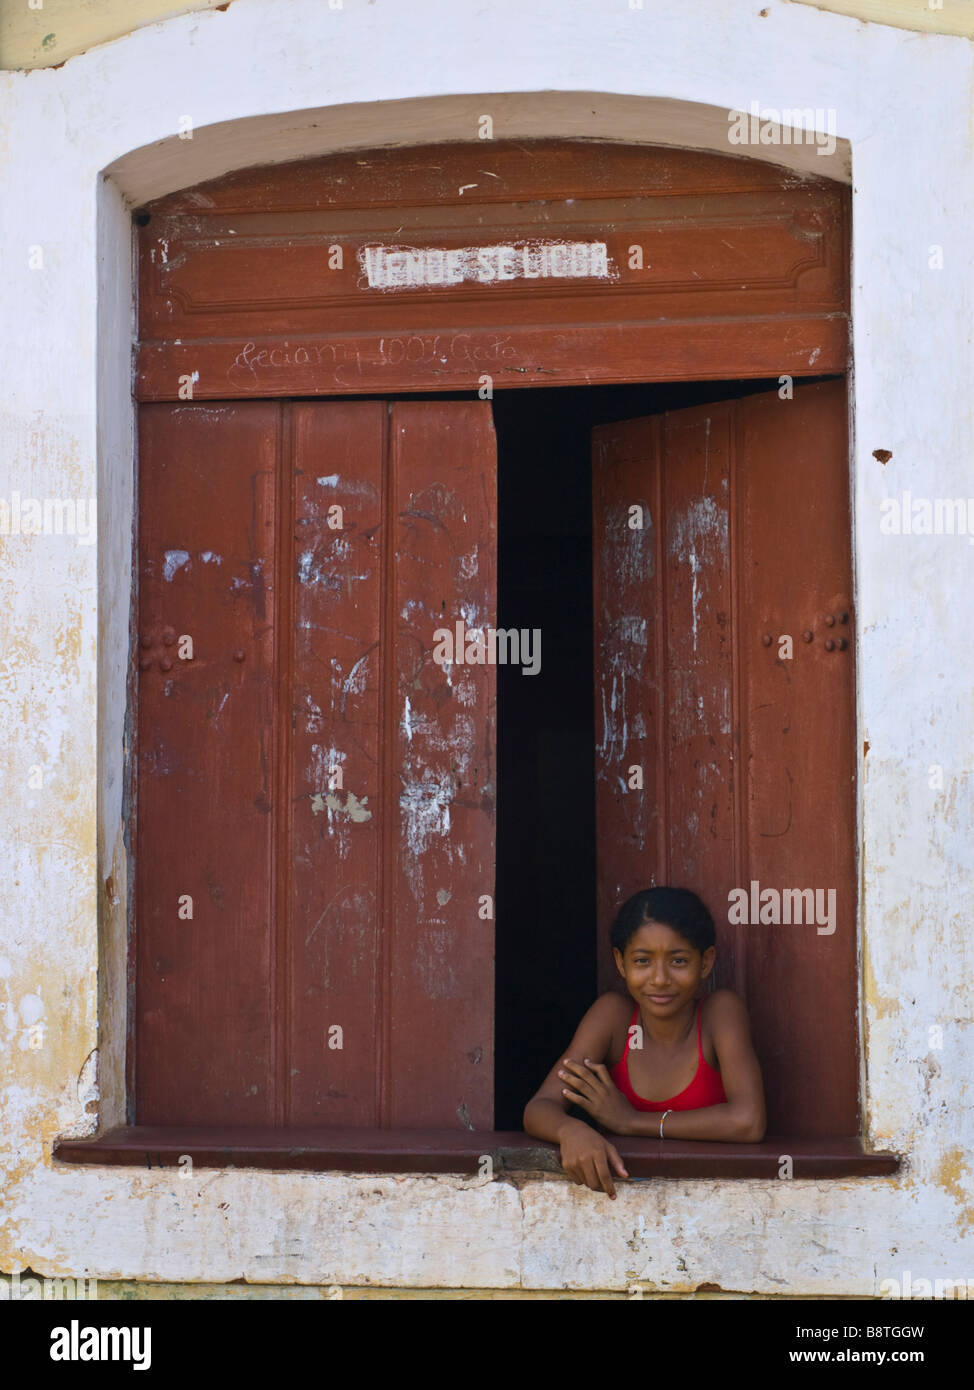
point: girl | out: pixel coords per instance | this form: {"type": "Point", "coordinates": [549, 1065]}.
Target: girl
{"type": "Point", "coordinates": [665, 1042]}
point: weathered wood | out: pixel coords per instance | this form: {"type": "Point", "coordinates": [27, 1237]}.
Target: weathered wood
{"type": "Point", "coordinates": [535, 263]}
{"type": "Point", "coordinates": [207, 723]}
{"type": "Point", "coordinates": [311, 778]}
{"type": "Point", "coordinates": [796, 757]}
{"type": "Point", "coordinates": [746, 752]}
{"type": "Point", "coordinates": [439, 913]}
{"type": "Point", "coordinates": [334, 798]}
{"type": "Point", "coordinates": [449, 1151]}
{"type": "Point", "coordinates": [743, 273]}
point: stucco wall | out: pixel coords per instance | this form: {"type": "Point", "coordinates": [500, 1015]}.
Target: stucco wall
{"type": "Point", "coordinates": [45, 33]}
{"type": "Point", "coordinates": [260, 81]}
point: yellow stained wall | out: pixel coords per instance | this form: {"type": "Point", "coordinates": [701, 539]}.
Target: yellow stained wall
{"type": "Point", "coordinates": [44, 33]}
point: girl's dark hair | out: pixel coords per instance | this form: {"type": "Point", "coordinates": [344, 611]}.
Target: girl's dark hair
{"type": "Point", "coordinates": [673, 907]}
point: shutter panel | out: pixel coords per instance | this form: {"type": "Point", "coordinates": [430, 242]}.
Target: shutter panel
{"type": "Point", "coordinates": [339, 451]}
{"type": "Point", "coordinates": [313, 778]}
{"type": "Point", "coordinates": [748, 759]}
{"type": "Point", "coordinates": [440, 961]}
{"type": "Point", "coordinates": [206, 731]}
{"type": "Point", "coordinates": [632, 851]}
{"type": "Point", "coordinates": [798, 747]}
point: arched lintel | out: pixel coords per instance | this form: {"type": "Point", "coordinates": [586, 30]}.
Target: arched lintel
{"type": "Point", "coordinates": [152, 171]}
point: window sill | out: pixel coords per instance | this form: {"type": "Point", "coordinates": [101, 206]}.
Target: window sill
{"type": "Point", "coordinates": [458, 1151]}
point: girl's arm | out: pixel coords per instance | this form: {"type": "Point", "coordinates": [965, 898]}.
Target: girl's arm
{"type": "Point", "coordinates": [742, 1119]}
{"type": "Point", "coordinates": [586, 1156]}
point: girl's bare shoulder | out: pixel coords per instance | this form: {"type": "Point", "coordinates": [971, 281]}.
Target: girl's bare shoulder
{"type": "Point", "coordinates": [615, 1011]}
{"type": "Point", "coordinates": [726, 1012]}
{"type": "Point", "coordinates": [614, 1007]}
{"type": "Point", "coordinates": [602, 1031]}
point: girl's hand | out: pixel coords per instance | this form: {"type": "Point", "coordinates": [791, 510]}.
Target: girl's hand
{"type": "Point", "coordinates": [589, 1085]}
{"type": "Point", "coordinates": [588, 1159]}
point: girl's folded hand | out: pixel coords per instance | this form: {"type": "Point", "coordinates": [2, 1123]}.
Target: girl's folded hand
{"type": "Point", "coordinates": [589, 1159]}
{"type": "Point", "coordinates": [590, 1086]}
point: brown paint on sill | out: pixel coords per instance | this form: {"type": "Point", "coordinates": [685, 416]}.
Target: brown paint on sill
{"type": "Point", "coordinates": [461, 1152]}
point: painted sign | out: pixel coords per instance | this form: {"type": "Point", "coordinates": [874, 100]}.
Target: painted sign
{"type": "Point", "coordinates": [404, 267]}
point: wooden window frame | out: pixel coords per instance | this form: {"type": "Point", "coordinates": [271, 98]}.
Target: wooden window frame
{"type": "Point", "coordinates": [793, 319]}
{"type": "Point", "coordinates": [449, 1151]}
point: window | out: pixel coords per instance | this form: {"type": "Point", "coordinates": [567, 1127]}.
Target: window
{"type": "Point", "coordinates": [320, 890]}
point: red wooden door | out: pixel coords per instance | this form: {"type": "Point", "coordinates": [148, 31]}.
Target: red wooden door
{"type": "Point", "coordinates": [745, 745]}
{"type": "Point", "coordinates": [315, 792]}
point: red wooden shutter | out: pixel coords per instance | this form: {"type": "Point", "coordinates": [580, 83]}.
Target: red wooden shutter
{"type": "Point", "coordinates": [207, 500]}
{"type": "Point", "coordinates": [440, 964]}
{"type": "Point", "coordinates": [335, 801]}
{"type": "Point", "coordinates": [747, 756]}
{"type": "Point", "coordinates": [316, 784]}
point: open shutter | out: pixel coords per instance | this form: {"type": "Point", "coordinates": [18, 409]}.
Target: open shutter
{"type": "Point", "coordinates": [311, 778]}
{"type": "Point", "coordinates": [746, 753]}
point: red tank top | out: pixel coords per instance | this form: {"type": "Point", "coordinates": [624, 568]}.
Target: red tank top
{"type": "Point", "coordinates": [705, 1089]}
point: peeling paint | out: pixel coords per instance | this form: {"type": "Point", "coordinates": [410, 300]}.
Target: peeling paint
{"type": "Point", "coordinates": [426, 811]}
{"type": "Point", "coordinates": [175, 560]}
{"type": "Point", "coordinates": [698, 536]}
{"type": "Point", "coordinates": [953, 1175]}
{"type": "Point", "coordinates": [354, 809]}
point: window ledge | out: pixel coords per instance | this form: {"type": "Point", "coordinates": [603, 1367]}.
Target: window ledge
{"type": "Point", "coordinates": [460, 1151]}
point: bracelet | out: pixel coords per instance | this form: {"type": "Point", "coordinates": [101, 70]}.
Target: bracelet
{"type": "Point", "coordinates": [662, 1118]}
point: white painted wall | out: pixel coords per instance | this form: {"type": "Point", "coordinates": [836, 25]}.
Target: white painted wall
{"type": "Point", "coordinates": [265, 80]}
{"type": "Point", "coordinates": [55, 30]}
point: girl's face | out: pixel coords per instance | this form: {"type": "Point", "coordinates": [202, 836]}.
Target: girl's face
{"type": "Point", "coordinates": [661, 969]}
